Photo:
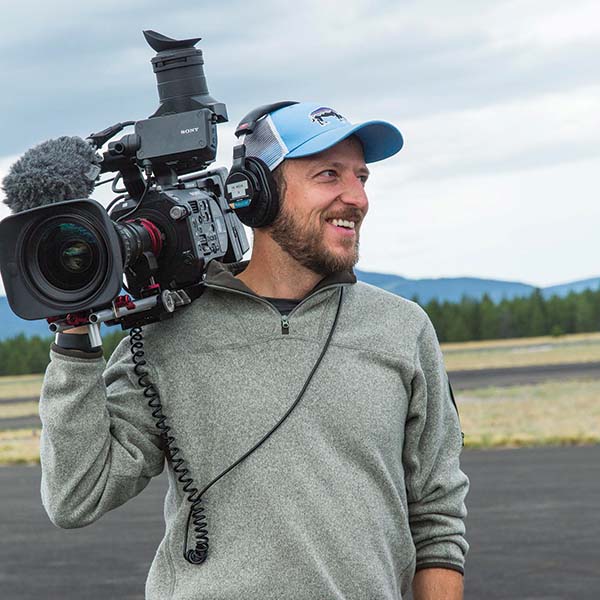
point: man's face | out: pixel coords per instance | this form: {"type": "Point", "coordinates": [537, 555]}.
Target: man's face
{"type": "Point", "coordinates": [319, 189]}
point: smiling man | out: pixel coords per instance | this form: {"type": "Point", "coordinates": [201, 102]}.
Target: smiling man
{"type": "Point", "coordinates": [320, 171]}
{"type": "Point", "coordinates": [332, 392]}
{"type": "Point", "coordinates": [316, 232]}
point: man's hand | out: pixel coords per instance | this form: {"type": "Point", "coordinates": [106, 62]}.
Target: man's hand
{"type": "Point", "coordinates": [437, 584]}
{"type": "Point", "coordinates": [82, 330]}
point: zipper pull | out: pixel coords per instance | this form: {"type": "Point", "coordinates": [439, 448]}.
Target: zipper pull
{"type": "Point", "coordinates": [285, 324]}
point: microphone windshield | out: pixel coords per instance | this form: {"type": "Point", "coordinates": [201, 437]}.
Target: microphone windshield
{"type": "Point", "coordinates": [53, 171]}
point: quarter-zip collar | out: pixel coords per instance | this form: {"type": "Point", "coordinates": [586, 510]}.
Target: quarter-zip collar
{"type": "Point", "coordinates": [223, 275]}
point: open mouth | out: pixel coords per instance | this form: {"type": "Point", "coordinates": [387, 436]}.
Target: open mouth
{"type": "Point", "coordinates": [342, 226]}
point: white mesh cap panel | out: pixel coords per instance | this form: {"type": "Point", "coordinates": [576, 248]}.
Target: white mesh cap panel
{"type": "Point", "coordinates": [265, 143]}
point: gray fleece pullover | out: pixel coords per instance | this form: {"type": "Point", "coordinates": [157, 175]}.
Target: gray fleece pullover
{"type": "Point", "coordinates": [360, 486]}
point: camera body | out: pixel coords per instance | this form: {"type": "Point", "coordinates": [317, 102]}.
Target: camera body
{"type": "Point", "coordinates": [197, 226]}
{"type": "Point", "coordinates": [67, 261]}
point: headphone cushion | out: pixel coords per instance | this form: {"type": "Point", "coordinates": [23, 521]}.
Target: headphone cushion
{"type": "Point", "coordinates": [265, 205]}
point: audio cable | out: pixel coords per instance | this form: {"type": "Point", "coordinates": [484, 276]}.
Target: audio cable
{"type": "Point", "coordinates": [196, 515]}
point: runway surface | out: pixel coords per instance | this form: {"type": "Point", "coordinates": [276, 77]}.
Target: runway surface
{"type": "Point", "coordinates": [533, 527]}
{"type": "Point", "coordinates": [468, 380]}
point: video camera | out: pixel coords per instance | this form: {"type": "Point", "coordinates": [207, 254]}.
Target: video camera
{"type": "Point", "coordinates": [66, 261]}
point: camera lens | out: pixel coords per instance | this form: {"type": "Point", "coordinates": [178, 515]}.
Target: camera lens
{"type": "Point", "coordinates": [66, 258]}
{"type": "Point", "coordinates": [76, 257]}
{"type": "Point", "coordinates": [67, 255]}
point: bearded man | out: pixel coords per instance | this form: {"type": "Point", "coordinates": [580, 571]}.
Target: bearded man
{"type": "Point", "coordinates": [354, 490]}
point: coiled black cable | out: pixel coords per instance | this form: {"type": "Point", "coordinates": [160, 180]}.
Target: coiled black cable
{"type": "Point", "coordinates": [196, 514]}
{"type": "Point", "coordinates": [198, 554]}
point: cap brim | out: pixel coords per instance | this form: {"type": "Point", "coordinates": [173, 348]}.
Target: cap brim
{"type": "Point", "coordinates": [379, 139]}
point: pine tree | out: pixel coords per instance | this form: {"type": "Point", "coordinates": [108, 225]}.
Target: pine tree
{"type": "Point", "coordinates": [490, 319]}
{"type": "Point", "coordinates": [537, 315]}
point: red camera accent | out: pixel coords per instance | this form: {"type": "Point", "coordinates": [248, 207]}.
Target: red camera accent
{"type": "Point", "coordinates": [124, 302]}
{"type": "Point", "coordinates": [154, 233]}
{"type": "Point", "coordinates": [77, 319]}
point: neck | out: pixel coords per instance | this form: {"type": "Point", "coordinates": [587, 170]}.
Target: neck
{"type": "Point", "coordinates": [273, 273]}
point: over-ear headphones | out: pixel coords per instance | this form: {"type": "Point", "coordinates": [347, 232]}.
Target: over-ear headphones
{"type": "Point", "coordinates": [250, 189]}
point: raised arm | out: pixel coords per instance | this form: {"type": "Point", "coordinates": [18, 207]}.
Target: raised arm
{"type": "Point", "coordinates": [99, 445]}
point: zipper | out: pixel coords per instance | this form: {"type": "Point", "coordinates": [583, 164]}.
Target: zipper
{"type": "Point", "coordinates": [253, 296]}
{"type": "Point", "coordinates": [285, 319]}
{"type": "Point", "coordinates": [327, 287]}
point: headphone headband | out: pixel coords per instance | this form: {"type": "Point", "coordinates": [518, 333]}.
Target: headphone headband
{"type": "Point", "coordinates": [247, 124]}
{"type": "Point", "coordinates": [250, 189]}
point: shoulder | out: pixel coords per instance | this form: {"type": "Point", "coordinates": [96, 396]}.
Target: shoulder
{"type": "Point", "coordinates": [383, 321]}
{"type": "Point", "coordinates": [364, 296]}
{"type": "Point", "coordinates": [201, 321]}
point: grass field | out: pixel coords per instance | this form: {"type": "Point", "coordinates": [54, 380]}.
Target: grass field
{"type": "Point", "coordinates": [548, 413]}
{"type": "Point", "coordinates": [20, 386]}
{"type": "Point", "coordinates": [20, 409]}
{"type": "Point", "coordinates": [553, 412]}
{"type": "Point", "coordinates": [522, 352]}
{"type": "Point", "coordinates": [19, 447]}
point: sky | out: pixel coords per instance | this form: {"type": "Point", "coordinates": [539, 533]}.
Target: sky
{"type": "Point", "coordinates": [497, 102]}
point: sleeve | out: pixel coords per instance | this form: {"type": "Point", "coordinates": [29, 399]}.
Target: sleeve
{"type": "Point", "coordinates": [99, 445]}
{"type": "Point", "coordinates": [436, 486]}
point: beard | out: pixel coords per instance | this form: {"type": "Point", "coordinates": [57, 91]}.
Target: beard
{"type": "Point", "coordinates": [305, 243]}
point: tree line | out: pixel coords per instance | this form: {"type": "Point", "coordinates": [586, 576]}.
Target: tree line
{"type": "Point", "coordinates": [22, 355]}
{"type": "Point", "coordinates": [528, 316]}
{"type": "Point", "coordinates": [462, 321]}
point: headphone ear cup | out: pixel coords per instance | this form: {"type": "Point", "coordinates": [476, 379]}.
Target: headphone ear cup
{"type": "Point", "coordinates": [264, 205]}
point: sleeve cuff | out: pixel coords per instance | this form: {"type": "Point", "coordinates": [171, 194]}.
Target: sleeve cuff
{"type": "Point", "coordinates": [77, 353]}
{"type": "Point", "coordinates": [440, 565]}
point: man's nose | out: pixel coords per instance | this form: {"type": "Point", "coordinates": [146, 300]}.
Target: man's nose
{"type": "Point", "coordinates": [355, 193]}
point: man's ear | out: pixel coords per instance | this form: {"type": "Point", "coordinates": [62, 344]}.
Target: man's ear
{"type": "Point", "coordinates": [279, 177]}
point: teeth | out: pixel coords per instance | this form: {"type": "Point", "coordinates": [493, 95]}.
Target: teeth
{"type": "Point", "coordinates": [343, 223]}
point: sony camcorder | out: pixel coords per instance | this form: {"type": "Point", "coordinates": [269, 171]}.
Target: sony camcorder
{"type": "Point", "coordinates": [66, 261]}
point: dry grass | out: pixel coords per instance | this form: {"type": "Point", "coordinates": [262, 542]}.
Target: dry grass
{"type": "Point", "coordinates": [545, 413]}
{"type": "Point", "coordinates": [20, 409]}
{"type": "Point", "coordinates": [20, 447]}
{"type": "Point", "coordinates": [20, 386]}
{"type": "Point", "coordinates": [520, 352]}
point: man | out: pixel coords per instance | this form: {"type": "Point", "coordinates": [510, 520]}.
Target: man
{"type": "Point", "coordinates": [358, 486]}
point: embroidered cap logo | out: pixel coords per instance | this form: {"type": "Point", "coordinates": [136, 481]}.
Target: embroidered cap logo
{"type": "Point", "coordinates": [321, 115]}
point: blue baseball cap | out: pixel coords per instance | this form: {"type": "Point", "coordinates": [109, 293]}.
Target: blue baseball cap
{"type": "Point", "coordinates": [308, 128]}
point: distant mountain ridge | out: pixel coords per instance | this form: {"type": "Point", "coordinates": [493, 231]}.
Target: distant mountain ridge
{"type": "Point", "coordinates": [443, 289]}
{"type": "Point", "coordinates": [452, 289]}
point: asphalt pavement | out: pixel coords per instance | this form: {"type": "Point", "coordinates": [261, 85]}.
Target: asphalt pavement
{"type": "Point", "coordinates": [533, 527]}
{"type": "Point", "coordinates": [508, 376]}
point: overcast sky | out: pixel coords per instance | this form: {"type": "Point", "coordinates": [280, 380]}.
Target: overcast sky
{"type": "Point", "coordinates": [498, 103]}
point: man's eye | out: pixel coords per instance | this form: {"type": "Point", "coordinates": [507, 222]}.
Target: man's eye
{"type": "Point", "coordinates": [328, 173]}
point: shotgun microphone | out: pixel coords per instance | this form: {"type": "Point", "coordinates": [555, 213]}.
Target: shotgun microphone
{"type": "Point", "coordinates": [53, 171]}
